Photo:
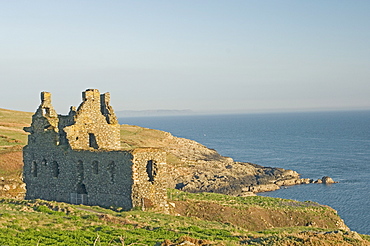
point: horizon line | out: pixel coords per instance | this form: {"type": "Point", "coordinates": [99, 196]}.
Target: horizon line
{"type": "Point", "coordinates": [188, 112]}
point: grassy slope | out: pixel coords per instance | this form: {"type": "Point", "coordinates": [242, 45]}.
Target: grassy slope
{"type": "Point", "coordinates": [246, 220]}
{"type": "Point", "coordinates": [52, 223]}
{"type": "Point", "coordinates": [255, 213]}
{"type": "Point", "coordinates": [11, 128]}
{"type": "Point", "coordinates": [136, 136]}
{"type": "Point", "coordinates": [12, 139]}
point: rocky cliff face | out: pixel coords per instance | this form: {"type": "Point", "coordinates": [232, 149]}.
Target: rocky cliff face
{"type": "Point", "coordinates": [200, 169]}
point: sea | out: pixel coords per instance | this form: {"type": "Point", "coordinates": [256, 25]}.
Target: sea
{"type": "Point", "coordinates": [315, 144]}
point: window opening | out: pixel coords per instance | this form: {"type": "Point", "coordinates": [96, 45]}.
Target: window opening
{"type": "Point", "coordinates": [55, 169]}
{"type": "Point", "coordinates": [151, 170]}
{"type": "Point", "coordinates": [111, 170]}
{"type": "Point", "coordinates": [80, 171]}
{"type": "Point", "coordinates": [80, 188]}
{"type": "Point", "coordinates": [44, 162]}
{"type": "Point", "coordinates": [34, 169]}
{"type": "Point", "coordinates": [92, 141]}
{"type": "Point", "coordinates": [46, 111]}
{"type": "Point", "coordinates": [95, 167]}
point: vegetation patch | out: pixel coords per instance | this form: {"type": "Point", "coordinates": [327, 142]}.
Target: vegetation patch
{"type": "Point", "coordinates": [39, 222]}
{"type": "Point", "coordinates": [254, 213]}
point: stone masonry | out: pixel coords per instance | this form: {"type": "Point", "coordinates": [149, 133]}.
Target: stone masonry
{"type": "Point", "coordinates": [76, 158]}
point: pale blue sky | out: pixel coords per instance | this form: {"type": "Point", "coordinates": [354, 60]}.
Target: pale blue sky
{"type": "Point", "coordinates": [199, 55]}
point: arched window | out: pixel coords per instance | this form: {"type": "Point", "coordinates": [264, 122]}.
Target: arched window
{"type": "Point", "coordinates": [44, 162]}
{"type": "Point", "coordinates": [151, 170]}
{"type": "Point", "coordinates": [95, 167]}
{"type": "Point", "coordinates": [81, 189]}
{"type": "Point", "coordinates": [55, 169]}
{"type": "Point", "coordinates": [34, 169]}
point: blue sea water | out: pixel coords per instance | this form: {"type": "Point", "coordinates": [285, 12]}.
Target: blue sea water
{"type": "Point", "coordinates": [335, 144]}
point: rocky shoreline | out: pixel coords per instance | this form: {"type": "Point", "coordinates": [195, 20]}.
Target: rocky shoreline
{"type": "Point", "coordinates": [201, 169]}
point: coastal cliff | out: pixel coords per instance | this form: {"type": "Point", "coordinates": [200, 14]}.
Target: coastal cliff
{"type": "Point", "coordinates": [196, 168]}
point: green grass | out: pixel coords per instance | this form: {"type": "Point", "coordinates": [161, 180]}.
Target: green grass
{"type": "Point", "coordinates": [11, 129]}
{"type": "Point", "coordinates": [243, 202]}
{"type": "Point", "coordinates": [135, 136]}
{"type": "Point", "coordinates": [52, 223]}
{"type": "Point", "coordinates": [12, 138]}
{"type": "Point", "coordinates": [36, 222]}
{"type": "Point", "coordinates": [11, 116]}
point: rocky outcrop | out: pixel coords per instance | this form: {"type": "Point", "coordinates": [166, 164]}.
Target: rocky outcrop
{"type": "Point", "coordinates": [328, 180]}
{"type": "Point", "coordinates": [200, 169]}
{"type": "Point", "coordinates": [12, 188]}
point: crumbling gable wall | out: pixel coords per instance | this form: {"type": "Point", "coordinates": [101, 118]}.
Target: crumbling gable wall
{"type": "Point", "coordinates": [93, 128]}
{"type": "Point", "coordinates": [44, 127]}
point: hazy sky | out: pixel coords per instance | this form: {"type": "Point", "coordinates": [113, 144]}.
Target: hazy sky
{"type": "Point", "coordinates": [200, 55]}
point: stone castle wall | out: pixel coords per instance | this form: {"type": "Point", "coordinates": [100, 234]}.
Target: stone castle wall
{"type": "Point", "coordinates": [77, 159]}
{"type": "Point", "coordinates": [149, 189]}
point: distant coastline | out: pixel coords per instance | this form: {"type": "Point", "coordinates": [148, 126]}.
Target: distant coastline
{"type": "Point", "coordinates": [189, 112]}
{"type": "Point", "coordinates": [150, 113]}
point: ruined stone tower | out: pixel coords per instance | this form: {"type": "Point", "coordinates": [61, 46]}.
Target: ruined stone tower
{"type": "Point", "coordinates": [76, 158]}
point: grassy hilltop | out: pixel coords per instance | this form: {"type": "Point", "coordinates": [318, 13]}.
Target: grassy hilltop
{"type": "Point", "coordinates": [194, 219]}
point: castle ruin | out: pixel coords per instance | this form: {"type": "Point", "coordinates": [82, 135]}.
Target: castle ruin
{"type": "Point", "coordinates": [77, 158]}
